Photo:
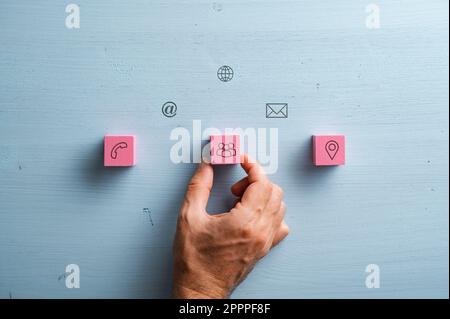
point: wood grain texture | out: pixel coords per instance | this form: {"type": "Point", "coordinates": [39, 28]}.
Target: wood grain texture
{"type": "Point", "coordinates": [62, 90]}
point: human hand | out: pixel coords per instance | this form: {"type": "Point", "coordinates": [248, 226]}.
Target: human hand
{"type": "Point", "coordinates": [214, 253]}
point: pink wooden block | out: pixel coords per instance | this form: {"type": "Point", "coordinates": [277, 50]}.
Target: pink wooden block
{"type": "Point", "coordinates": [328, 150]}
{"type": "Point", "coordinates": [225, 149]}
{"type": "Point", "coordinates": [120, 150]}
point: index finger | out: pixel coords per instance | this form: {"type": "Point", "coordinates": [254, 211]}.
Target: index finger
{"type": "Point", "coordinates": [258, 189]}
{"type": "Point", "coordinates": [254, 171]}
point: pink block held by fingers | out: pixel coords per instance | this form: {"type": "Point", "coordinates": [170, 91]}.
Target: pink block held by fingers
{"type": "Point", "coordinates": [328, 150]}
{"type": "Point", "coordinates": [119, 150]}
{"type": "Point", "coordinates": [225, 149]}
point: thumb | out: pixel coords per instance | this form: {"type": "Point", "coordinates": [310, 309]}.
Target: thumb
{"type": "Point", "coordinates": [199, 188]}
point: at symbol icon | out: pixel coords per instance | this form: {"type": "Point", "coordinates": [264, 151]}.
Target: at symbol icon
{"type": "Point", "coordinates": [169, 109]}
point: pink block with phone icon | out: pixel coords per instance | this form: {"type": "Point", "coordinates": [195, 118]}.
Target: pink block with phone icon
{"type": "Point", "coordinates": [225, 149]}
{"type": "Point", "coordinates": [328, 150]}
{"type": "Point", "coordinates": [119, 150]}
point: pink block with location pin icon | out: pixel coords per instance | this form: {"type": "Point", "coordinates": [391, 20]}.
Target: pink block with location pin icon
{"type": "Point", "coordinates": [328, 150]}
{"type": "Point", "coordinates": [225, 149]}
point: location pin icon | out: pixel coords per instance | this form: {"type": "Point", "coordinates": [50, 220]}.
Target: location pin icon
{"type": "Point", "coordinates": [332, 148]}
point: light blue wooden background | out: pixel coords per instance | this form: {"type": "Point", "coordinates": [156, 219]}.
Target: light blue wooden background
{"type": "Point", "coordinates": [61, 90]}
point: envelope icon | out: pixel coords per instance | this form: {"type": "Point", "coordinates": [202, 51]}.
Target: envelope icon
{"type": "Point", "coordinates": [276, 110]}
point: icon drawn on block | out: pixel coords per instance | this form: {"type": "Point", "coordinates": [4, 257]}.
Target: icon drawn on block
{"type": "Point", "coordinates": [328, 150]}
{"type": "Point", "coordinates": [332, 147]}
{"type": "Point", "coordinates": [276, 110]}
{"type": "Point", "coordinates": [169, 109]}
{"type": "Point", "coordinates": [116, 147]}
{"type": "Point", "coordinates": [225, 73]}
{"type": "Point", "coordinates": [119, 150]}
{"type": "Point", "coordinates": [226, 150]}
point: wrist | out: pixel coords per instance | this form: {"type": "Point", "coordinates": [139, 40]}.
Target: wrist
{"type": "Point", "coordinates": [190, 284]}
{"type": "Point", "coordinates": [182, 292]}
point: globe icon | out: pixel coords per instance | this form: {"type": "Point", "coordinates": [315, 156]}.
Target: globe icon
{"type": "Point", "coordinates": [225, 73]}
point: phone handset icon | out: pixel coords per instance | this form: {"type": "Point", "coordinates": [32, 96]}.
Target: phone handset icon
{"type": "Point", "coordinates": [116, 148]}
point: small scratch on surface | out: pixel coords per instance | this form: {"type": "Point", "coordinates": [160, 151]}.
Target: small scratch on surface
{"type": "Point", "coordinates": [10, 295]}
{"type": "Point", "coordinates": [147, 211]}
{"type": "Point", "coordinates": [217, 6]}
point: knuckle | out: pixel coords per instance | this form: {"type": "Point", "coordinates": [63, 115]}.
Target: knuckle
{"type": "Point", "coordinates": [266, 186]}
{"type": "Point", "coordinates": [247, 231]}
{"type": "Point", "coordinates": [185, 220]}
{"type": "Point", "coordinates": [259, 209]}
{"type": "Point", "coordinates": [281, 191]}
{"type": "Point", "coordinates": [183, 217]}
{"type": "Point", "coordinates": [238, 207]}
{"type": "Point", "coordinates": [278, 191]}
{"type": "Point", "coordinates": [283, 231]}
{"type": "Point", "coordinates": [192, 185]}
{"type": "Point", "coordinates": [260, 242]}
{"type": "Point", "coordinates": [286, 229]}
